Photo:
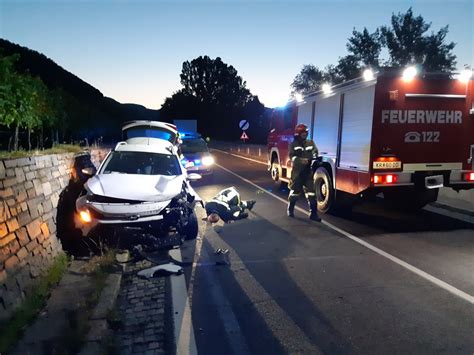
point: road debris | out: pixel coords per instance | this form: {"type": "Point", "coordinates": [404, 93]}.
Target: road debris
{"type": "Point", "coordinates": [222, 256]}
{"type": "Point", "coordinates": [122, 256]}
{"type": "Point", "coordinates": [160, 270]}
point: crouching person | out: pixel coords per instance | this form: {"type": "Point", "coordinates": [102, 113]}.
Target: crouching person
{"type": "Point", "coordinates": [228, 206]}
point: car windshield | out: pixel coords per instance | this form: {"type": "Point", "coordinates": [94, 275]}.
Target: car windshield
{"type": "Point", "coordinates": [193, 146]}
{"type": "Point", "coordinates": [141, 163]}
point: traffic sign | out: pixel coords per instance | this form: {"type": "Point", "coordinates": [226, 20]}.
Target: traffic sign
{"type": "Point", "coordinates": [244, 125]}
{"type": "Point", "coordinates": [244, 136]}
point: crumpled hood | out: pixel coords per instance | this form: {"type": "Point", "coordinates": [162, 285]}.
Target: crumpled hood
{"type": "Point", "coordinates": [136, 187]}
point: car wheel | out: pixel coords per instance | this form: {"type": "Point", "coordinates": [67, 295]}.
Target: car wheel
{"type": "Point", "coordinates": [191, 229]}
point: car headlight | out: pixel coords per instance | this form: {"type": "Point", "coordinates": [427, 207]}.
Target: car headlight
{"type": "Point", "coordinates": [85, 216]}
{"type": "Point", "coordinates": [207, 161]}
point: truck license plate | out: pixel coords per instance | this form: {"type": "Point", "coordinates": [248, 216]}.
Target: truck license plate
{"type": "Point", "coordinates": [387, 164]}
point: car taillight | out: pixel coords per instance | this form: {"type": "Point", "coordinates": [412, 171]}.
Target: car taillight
{"type": "Point", "coordinates": [384, 179]}
{"type": "Point", "coordinates": [469, 176]}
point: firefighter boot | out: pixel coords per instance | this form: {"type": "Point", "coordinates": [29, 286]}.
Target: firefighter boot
{"type": "Point", "coordinates": [314, 212]}
{"type": "Point", "coordinates": [290, 211]}
{"type": "Point", "coordinates": [250, 204]}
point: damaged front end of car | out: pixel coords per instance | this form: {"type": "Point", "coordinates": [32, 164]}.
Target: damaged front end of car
{"type": "Point", "coordinates": [127, 223]}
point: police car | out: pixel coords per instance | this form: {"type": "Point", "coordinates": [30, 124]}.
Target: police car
{"type": "Point", "coordinates": [196, 157]}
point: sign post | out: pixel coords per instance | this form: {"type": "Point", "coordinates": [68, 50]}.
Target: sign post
{"type": "Point", "coordinates": [244, 125]}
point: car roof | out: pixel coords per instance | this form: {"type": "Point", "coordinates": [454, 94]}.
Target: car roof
{"type": "Point", "coordinates": [193, 139]}
{"type": "Point", "coordinates": [189, 135]}
{"type": "Point", "coordinates": [168, 126]}
{"type": "Point", "coordinates": [149, 145]}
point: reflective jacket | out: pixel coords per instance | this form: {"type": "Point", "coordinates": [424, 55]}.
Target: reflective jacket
{"type": "Point", "coordinates": [302, 152]}
{"type": "Point", "coordinates": [227, 205]}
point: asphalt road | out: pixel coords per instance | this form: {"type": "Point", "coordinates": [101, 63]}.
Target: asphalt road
{"type": "Point", "coordinates": [295, 286]}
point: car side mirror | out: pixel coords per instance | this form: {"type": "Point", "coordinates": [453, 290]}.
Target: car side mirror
{"type": "Point", "coordinates": [194, 177]}
{"type": "Point", "coordinates": [89, 172]}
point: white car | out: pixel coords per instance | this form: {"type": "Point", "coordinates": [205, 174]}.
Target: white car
{"type": "Point", "coordinates": [142, 188]}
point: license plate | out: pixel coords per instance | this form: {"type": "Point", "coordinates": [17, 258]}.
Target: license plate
{"type": "Point", "coordinates": [387, 165]}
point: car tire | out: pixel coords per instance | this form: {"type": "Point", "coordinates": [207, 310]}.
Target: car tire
{"type": "Point", "coordinates": [191, 229]}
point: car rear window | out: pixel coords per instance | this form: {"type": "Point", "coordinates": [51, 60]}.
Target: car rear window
{"type": "Point", "coordinates": [150, 132]}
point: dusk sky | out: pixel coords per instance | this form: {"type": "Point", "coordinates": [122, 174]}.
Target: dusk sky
{"type": "Point", "coordinates": [133, 51]}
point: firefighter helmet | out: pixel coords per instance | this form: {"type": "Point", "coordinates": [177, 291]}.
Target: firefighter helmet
{"type": "Point", "coordinates": [301, 128]}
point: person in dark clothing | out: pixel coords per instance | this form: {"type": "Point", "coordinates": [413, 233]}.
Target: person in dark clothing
{"type": "Point", "coordinates": [228, 206]}
{"type": "Point", "coordinates": [302, 152]}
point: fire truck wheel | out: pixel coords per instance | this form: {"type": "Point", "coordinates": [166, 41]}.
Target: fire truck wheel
{"type": "Point", "coordinates": [275, 172]}
{"type": "Point", "coordinates": [324, 190]}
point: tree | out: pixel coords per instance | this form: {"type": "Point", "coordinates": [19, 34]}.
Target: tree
{"type": "Point", "coordinates": [39, 108]}
{"type": "Point", "coordinates": [438, 54]}
{"type": "Point", "coordinates": [365, 47]}
{"type": "Point", "coordinates": [348, 68]}
{"type": "Point", "coordinates": [8, 82]}
{"type": "Point", "coordinates": [16, 99]}
{"type": "Point", "coordinates": [332, 74]}
{"type": "Point", "coordinates": [180, 105]}
{"type": "Point", "coordinates": [308, 80]}
{"type": "Point", "coordinates": [25, 101]}
{"type": "Point", "coordinates": [214, 94]}
{"type": "Point", "coordinates": [253, 112]}
{"type": "Point", "coordinates": [213, 82]}
{"type": "Point", "coordinates": [407, 43]}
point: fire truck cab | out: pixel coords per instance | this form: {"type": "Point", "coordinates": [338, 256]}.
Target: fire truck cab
{"type": "Point", "coordinates": [405, 137]}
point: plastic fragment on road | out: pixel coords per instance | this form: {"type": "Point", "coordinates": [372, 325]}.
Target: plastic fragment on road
{"type": "Point", "coordinates": [222, 256]}
{"type": "Point", "coordinates": [160, 270]}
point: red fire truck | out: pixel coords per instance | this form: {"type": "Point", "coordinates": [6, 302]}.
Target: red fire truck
{"type": "Point", "coordinates": [404, 135]}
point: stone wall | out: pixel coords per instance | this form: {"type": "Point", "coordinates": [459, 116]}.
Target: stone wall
{"type": "Point", "coordinates": [29, 195]}
{"type": "Point", "coordinates": [30, 189]}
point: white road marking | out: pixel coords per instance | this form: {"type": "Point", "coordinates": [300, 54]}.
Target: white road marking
{"type": "Point", "coordinates": [241, 156]}
{"type": "Point", "coordinates": [183, 325]}
{"type": "Point", "coordinates": [282, 326]}
{"type": "Point", "coordinates": [223, 307]}
{"type": "Point", "coordinates": [434, 280]}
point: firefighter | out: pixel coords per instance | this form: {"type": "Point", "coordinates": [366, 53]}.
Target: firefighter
{"type": "Point", "coordinates": [228, 206]}
{"type": "Point", "coordinates": [302, 152]}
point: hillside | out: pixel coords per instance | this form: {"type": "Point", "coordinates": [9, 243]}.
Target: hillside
{"type": "Point", "coordinates": [101, 116]}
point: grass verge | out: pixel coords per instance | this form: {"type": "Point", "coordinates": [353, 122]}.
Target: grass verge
{"type": "Point", "coordinates": [72, 339]}
{"type": "Point", "coordinates": [11, 329]}
{"type": "Point", "coordinates": [57, 149]}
